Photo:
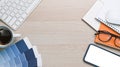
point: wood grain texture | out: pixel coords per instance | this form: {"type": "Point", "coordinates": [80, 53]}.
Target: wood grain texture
{"type": "Point", "coordinates": [56, 28]}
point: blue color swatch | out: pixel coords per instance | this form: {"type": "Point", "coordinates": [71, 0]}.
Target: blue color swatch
{"type": "Point", "coordinates": [18, 55]}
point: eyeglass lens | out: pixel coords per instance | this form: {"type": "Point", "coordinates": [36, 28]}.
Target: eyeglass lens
{"type": "Point", "coordinates": [105, 37]}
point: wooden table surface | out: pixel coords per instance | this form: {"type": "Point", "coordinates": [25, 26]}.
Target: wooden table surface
{"type": "Point", "coordinates": [57, 30]}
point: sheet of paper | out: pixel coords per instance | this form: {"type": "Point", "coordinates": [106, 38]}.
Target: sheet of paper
{"type": "Point", "coordinates": [91, 14]}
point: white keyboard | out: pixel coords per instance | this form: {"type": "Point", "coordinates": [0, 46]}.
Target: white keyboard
{"type": "Point", "coordinates": [14, 12]}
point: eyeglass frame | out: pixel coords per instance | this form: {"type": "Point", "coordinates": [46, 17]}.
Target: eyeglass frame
{"type": "Point", "coordinates": [111, 35]}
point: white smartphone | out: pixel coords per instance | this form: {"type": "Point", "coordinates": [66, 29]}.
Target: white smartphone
{"type": "Point", "coordinates": [100, 57]}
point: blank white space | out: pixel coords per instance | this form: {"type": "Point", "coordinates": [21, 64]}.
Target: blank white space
{"type": "Point", "coordinates": [101, 57]}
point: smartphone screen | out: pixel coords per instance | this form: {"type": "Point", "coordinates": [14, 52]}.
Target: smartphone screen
{"type": "Point", "coordinates": [101, 57]}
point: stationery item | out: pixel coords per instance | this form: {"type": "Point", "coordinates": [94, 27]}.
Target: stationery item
{"type": "Point", "coordinates": [20, 54]}
{"type": "Point", "coordinates": [2, 60]}
{"type": "Point", "coordinates": [15, 50]}
{"type": "Point", "coordinates": [91, 14]}
{"type": "Point", "coordinates": [12, 63]}
{"type": "Point", "coordinates": [111, 42]}
{"type": "Point", "coordinates": [6, 64]}
{"type": "Point", "coordinates": [21, 45]}
{"type": "Point", "coordinates": [6, 36]}
{"type": "Point", "coordinates": [30, 56]}
{"type": "Point", "coordinates": [18, 62]}
{"type": "Point", "coordinates": [113, 11]}
{"type": "Point", "coordinates": [23, 60]}
{"type": "Point", "coordinates": [99, 11]}
{"type": "Point", "coordinates": [100, 57]}
{"type": "Point", "coordinates": [5, 55]}
{"type": "Point", "coordinates": [10, 53]}
{"type": "Point", "coordinates": [39, 60]}
{"type": "Point", "coordinates": [109, 14]}
{"type": "Point", "coordinates": [101, 17]}
{"type": "Point", "coordinates": [32, 63]}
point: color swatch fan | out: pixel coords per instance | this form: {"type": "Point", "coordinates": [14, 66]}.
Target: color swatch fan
{"type": "Point", "coordinates": [20, 54]}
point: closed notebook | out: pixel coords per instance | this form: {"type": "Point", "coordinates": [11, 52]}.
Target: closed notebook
{"type": "Point", "coordinates": [109, 43]}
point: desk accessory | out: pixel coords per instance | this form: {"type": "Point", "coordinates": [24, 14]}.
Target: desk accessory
{"type": "Point", "coordinates": [7, 36]}
{"type": "Point", "coordinates": [14, 12]}
{"type": "Point", "coordinates": [23, 54]}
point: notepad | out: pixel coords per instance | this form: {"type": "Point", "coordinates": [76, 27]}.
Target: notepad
{"type": "Point", "coordinates": [89, 18]}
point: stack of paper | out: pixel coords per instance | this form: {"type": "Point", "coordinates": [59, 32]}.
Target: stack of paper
{"type": "Point", "coordinates": [20, 54]}
{"type": "Point", "coordinates": [102, 16]}
{"type": "Point", "coordinates": [106, 11]}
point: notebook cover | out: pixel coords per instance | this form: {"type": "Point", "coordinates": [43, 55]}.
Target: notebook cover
{"type": "Point", "coordinates": [109, 43]}
{"type": "Point", "coordinates": [89, 17]}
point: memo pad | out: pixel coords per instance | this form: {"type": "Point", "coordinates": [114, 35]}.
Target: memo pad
{"type": "Point", "coordinates": [101, 57]}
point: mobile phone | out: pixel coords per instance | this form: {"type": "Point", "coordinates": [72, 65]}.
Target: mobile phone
{"type": "Point", "coordinates": [100, 57]}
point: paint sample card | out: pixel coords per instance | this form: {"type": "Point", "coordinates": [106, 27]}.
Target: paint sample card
{"type": "Point", "coordinates": [20, 54]}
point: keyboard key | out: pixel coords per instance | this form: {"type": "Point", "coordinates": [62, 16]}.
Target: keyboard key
{"type": "Point", "coordinates": [17, 23]}
{"type": "Point", "coordinates": [2, 11]}
{"type": "Point", "coordinates": [30, 1]}
{"type": "Point", "coordinates": [14, 26]}
{"type": "Point", "coordinates": [15, 11]}
{"type": "Point", "coordinates": [6, 8]}
{"type": "Point", "coordinates": [27, 5]}
{"type": "Point", "coordinates": [11, 8]}
{"type": "Point", "coordinates": [14, 5]}
{"type": "Point", "coordinates": [18, 7]}
{"type": "Point", "coordinates": [17, 1]}
{"type": "Point", "coordinates": [21, 3]}
{"type": "Point", "coordinates": [4, 16]}
{"type": "Point", "coordinates": [17, 15]}
{"type": "Point", "coordinates": [12, 21]}
{"type": "Point", "coordinates": [8, 12]}
{"type": "Point", "coordinates": [12, 14]}
{"type": "Point", "coordinates": [0, 14]}
{"type": "Point", "coordinates": [23, 8]}
{"type": "Point", "coordinates": [21, 12]}
{"type": "Point", "coordinates": [8, 19]}
{"type": "Point", "coordinates": [0, 7]}
{"type": "Point", "coordinates": [9, 3]}
{"type": "Point", "coordinates": [24, 15]}
{"type": "Point", "coordinates": [21, 19]}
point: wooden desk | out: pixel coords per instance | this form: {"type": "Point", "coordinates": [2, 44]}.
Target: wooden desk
{"type": "Point", "coordinates": [56, 28]}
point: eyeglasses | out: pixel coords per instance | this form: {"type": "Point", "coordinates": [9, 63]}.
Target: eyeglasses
{"type": "Point", "coordinates": [105, 36]}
